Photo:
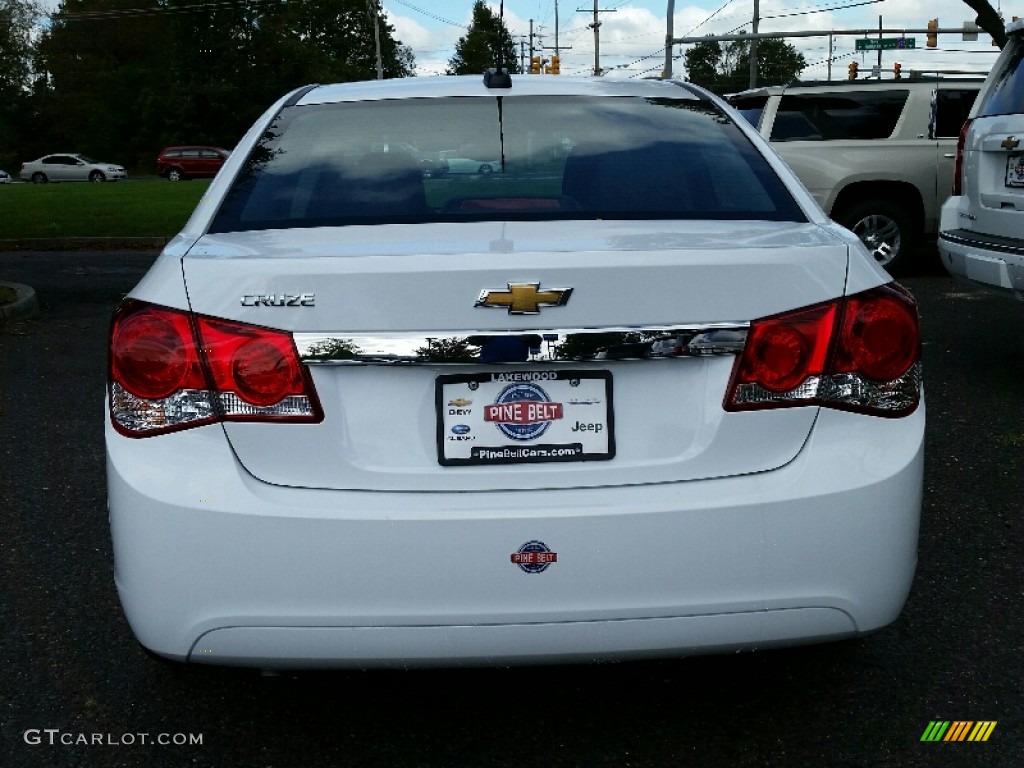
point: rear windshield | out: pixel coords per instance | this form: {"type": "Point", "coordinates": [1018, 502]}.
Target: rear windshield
{"type": "Point", "coordinates": [480, 158]}
{"type": "Point", "coordinates": [1006, 96]}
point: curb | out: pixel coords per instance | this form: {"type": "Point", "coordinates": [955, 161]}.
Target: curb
{"type": "Point", "coordinates": [24, 306]}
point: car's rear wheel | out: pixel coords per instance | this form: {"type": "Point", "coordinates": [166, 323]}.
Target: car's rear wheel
{"type": "Point", "coordinates": [885, 228]}
{"type": "Point", "coordinates": [175, 174]}
{"type": "Point", "coordinates": [97, 177]}
{"type": "Point", "coordinates": [39, 178]}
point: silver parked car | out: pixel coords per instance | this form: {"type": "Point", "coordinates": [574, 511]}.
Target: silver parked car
{"type": "Point", "coordinates": [982, 229]}
{"type": "Point", "coordinates": [70, 167]}
{"type": "Point", "coordinates": [5, 177]}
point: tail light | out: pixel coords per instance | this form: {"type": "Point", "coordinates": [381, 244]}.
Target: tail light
{"type": "Point", "coordinates": [958, 164]}
{"type": "Point", "coordinates": [858, 353]}
{"type": "Point", "coordinates": [172, 370]}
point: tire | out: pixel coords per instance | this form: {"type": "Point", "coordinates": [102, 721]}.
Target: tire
{"type": "Point", "coordinates": [39, 178]}
{"type": "Point", "coordinates": [175, 174]}
{"type": "Point", "coordinates": [97, 177]}
{"type": "Point", "coordinates": [885, 228]}
{"type": "Point", "coordinates": [486, 169]}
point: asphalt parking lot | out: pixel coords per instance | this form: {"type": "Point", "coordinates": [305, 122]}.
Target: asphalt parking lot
{"type": "Point", "coordinates": [77, 691]}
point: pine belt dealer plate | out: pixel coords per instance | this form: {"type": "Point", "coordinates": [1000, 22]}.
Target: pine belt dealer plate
{"type": "Point", "coordinates": [523, 417]}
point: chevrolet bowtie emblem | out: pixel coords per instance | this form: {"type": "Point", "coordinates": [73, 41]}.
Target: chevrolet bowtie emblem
{"type": "Point", "coordinates": [524, 298]}
{"type": "Point", "coordinates": [1011, 142]}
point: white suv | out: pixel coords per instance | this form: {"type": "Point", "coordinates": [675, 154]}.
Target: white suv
{"type": "Point", "coordinates": [876, 154]}
{"type": "Point", "coordinates": [982, 228]}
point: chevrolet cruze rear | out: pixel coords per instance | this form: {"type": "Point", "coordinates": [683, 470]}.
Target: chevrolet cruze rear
{"type": "Point", "coordinates": [365, 414]}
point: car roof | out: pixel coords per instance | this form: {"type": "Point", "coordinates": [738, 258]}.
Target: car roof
{"type": "Point", "coordinates": [473, 85]}
{"type": "Point", "coordinates": [905, 82]}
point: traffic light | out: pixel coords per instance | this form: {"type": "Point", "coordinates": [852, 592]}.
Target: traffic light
{"type": "Point", "coordinates": [933, 33]}
{"type": "Point", "coordinates": [555, 64]}
{"type": "Point", "coordinates": [853, 70]}
{"type": "Point", "coordinates": [897, 71]}
{"type": "Point", "coordinates": [535, 65]}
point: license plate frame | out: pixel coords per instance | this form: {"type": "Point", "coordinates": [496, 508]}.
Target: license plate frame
{"type": "Point", "coordinates": [535, 416]}
{"type": "Point", "coordinates": [1015, 170]}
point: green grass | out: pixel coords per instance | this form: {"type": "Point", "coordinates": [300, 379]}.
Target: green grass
{"type": "Point", "coordinates": [133, 208]}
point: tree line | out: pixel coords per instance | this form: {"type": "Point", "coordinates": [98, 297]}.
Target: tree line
{"type": "Point", "coordinates": [120, 79]}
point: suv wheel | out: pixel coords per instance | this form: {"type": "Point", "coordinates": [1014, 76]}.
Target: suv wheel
{"type": "Point", "coordinates": [174, 175]}
{"type": "Point", "coordinates": [884, 227]}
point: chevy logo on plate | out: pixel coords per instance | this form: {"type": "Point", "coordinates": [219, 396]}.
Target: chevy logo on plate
{"type": "Point", "coordinates": [524, 298]}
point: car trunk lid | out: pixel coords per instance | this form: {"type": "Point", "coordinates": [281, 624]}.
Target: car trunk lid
{"type": "Point", "coordinates": [429, 344]}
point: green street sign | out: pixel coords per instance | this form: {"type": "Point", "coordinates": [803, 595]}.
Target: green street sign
{"type": "Point", "coordinates": [885, 44]}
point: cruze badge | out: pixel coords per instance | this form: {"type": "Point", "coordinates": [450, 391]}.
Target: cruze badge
{"type": "Point", "coordinates": [524, 298]}
{"type": "Point", "coordinates": [279, 300]}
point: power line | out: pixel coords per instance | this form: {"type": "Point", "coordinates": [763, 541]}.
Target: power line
{"type": "Point", "coordinates": [822, 10]}
{"type": "Point", "coordinates": [430, 15]}
{"type": "Point", "coordinates": [709, 18]}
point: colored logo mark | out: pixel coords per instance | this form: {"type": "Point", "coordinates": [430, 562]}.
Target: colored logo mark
{"type": "Point", "coordinates": [523, 411]}
{"type": "Point", "coordinates": [524, 298]}
{"type": "Point", "coordinates": [958, 730]}
{"type": "Point", "coordinates": [534, 557]}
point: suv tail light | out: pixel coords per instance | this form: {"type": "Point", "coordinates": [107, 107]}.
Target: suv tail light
{"type": "Point", "coordinates": [172, 370]}
{"type": "Point", "coordinates": [858, 353]}
{"type": "Point", "coordinates": [958, 164]}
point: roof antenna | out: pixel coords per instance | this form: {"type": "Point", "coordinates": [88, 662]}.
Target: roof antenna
{"type": "Point", "coordinates": [499, 77]}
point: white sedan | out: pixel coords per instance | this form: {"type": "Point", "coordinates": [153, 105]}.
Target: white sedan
{"type": "Point", "coordinates": [5, 177]}
{"type": "Point", "coordinates": [70, 167]}
{"type": "Point", "coordinates": [354, 421]}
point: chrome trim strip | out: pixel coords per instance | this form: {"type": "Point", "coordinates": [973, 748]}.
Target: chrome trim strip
{"type": "Point", "coordinates": [526, 346]}
{"type": "Point", "coordinates": [971, 239]}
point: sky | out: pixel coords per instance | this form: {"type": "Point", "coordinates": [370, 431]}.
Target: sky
{"type": "Point", "coordinates": [632, 32]}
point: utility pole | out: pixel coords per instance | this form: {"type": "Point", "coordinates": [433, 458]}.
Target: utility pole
{"type": "Point", "coordinates": [596, 26]}
{"type": "Point", "coordinates": [670, 26]}
{"type": "Point", "coordinates": [879, 43]}
{"type": "Point", "coordinates": [753, 45]}
{"type": "Point", "coordinates": [374, 8]}
{"type": "Point", "coordinates": [831, 51]}
{"type": "Point", "coordinates": [556, 27]}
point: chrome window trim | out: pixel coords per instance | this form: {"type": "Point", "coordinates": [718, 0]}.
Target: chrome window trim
{"type": "Point", "coordinates": [401, 348]}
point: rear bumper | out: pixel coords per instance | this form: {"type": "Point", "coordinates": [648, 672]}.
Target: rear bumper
{"type": "Point", "coordinates": [213, 566]}
{"type": "Point", "coordinates": [990, 262]}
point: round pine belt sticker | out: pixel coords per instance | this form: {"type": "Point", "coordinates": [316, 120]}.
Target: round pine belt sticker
{"type": "Point", "coordinates": [534, 557]}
